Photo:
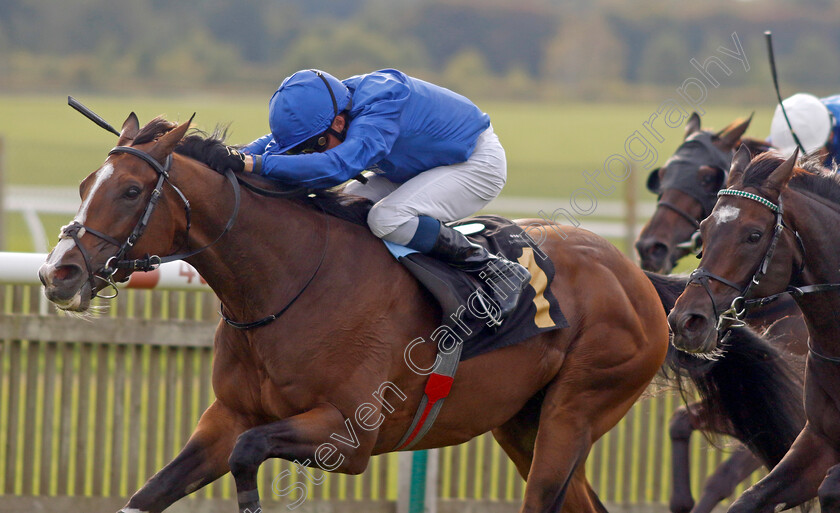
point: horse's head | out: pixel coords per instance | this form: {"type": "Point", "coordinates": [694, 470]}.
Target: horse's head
{"type": "Point", "coordinates": [686, 186]}
{"type": "Point", "coordinates": [118, 200]}
{"type": "Point", "coordinates": [748, 252]}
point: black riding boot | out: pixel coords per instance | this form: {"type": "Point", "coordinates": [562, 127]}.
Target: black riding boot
{"type": "Point", "coordinates": [506, 279]}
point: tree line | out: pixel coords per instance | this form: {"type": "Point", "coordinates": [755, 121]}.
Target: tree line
{"type": "Point", "coordinates": [543, 48]}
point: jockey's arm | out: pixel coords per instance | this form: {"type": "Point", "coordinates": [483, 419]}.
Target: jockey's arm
{"type": "Point", "coordinates": [370, 138]}
{"type": "Point", "coordinates": [371, 134]}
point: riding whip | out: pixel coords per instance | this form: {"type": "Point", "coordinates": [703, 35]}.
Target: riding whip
{"type": "Point", "coordinates": [769, 37]}
{"type": "Point", "coordinates": [86, 112]}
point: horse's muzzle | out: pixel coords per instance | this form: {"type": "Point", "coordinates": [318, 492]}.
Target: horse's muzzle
{"type": "Point", "coordinates": [694, 332]}
{"type": "Point", "coordinates": [654, 256]}
{"type": "Point", "coordinates": [66, 285]}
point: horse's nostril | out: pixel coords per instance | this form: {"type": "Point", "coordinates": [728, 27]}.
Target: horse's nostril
{"type": "Point", "coordinates": [658, 250]}
{"type": "Point", "coordinates": [652, 249]}
{"type": "Point", "coordinates": [66, 273]}
{"type": "Point", "coordinates": [694, 322]}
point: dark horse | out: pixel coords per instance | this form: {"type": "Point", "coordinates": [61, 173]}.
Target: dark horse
{"type": "Point", "coordinates": [687, 187]}
{"type": "Point", "coordinates": [769, 234]}
{"type": "Point", "coordinates": [331, 366]}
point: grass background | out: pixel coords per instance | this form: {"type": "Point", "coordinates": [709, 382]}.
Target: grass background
{"type": "Point", "coordinates": [548, 145]}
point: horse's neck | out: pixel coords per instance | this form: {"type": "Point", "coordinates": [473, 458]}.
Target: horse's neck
{"type": "Point", "coordinates": [810, 216]}
{"type": "Point", "coordinates": [268, 254]}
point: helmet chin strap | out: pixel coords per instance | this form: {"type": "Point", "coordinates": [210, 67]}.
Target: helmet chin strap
{"type": "Point", "coordinates": [338, 135]}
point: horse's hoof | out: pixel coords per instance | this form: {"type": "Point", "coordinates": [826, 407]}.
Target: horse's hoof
{"type": "Point", "coordinates": [681, 506]}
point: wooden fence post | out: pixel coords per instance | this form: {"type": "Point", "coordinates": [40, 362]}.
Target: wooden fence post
{"type": "Point", "coordinates": [2, 195]}
{"type": "Point", "coordinates": [630, 213]}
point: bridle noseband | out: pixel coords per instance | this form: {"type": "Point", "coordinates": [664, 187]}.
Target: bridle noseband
{"type": "Point", "coordinates": [76, 230]}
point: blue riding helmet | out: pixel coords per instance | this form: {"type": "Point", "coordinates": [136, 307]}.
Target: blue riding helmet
{"type": "Point", "coordinates": [304, 106]}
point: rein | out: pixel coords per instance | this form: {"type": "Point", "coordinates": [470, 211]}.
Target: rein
{"type": "Point", "coordinates": [685, 215]}
{"type": "Point", "coordinates": [270, 318]}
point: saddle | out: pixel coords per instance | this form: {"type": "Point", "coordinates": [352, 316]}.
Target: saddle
{"type": "Point", "coordinates": [465, 301]}
{"type": "Point", "coordinates": [469, 322]}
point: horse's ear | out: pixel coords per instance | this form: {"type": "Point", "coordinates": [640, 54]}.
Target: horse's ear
{"type": "Point", "coordinates": [731, 135]}
{"type": "Point", "coordinates": [166, 144]}
{"type": "Point", "coordinates": [129, 131]}
{"type": "Point", "coordinates": [740, 161]}
{"type": "Point", "coordinates": [779, 178]}
{"type": "Point", "coordinates": [693, 125]}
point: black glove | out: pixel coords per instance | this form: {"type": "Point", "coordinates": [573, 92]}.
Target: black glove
{"type": "Point", "coordinates": [226, 157]}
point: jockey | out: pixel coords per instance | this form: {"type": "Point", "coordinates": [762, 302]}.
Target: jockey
{"type": "Point", "coordinates": [816, 122]}
{"type": "Point", "coordinates": [434, 156]}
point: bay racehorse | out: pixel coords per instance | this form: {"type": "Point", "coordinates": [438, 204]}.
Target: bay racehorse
{"type": "Point", "coordinates": [331, 365]}
{"type": "Point", "coordinates": [687, 186]}
{"type": "Point", "coordinates": [769, 234]}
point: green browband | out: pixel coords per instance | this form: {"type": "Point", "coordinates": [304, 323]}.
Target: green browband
{"type": "Point", "coordinates": [755, 197]}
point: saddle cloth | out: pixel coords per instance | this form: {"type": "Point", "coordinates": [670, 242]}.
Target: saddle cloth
{"type": "Point", "coordinates": [538, 310]}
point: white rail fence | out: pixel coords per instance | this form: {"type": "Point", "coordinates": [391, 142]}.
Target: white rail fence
{"type": "Point", "coordinates": [608, 220]}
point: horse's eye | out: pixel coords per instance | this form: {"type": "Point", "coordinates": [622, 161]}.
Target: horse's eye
{"type": "Point", "coordinates": [754, 237]}
{"type": "Point", "coordinates": [132, 192]}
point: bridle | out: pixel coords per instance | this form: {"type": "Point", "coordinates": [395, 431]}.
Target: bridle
{"type": "Point", "coordinates": [740, 306]}
{"type": "Point", "coordinates": [76, 230]}
{"type": "Point", "coordinates": [694, 244]}
{"type": "Point", "coordinates": [695, 152]}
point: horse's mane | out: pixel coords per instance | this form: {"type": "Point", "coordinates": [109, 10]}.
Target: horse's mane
{"type": "Point", "coordinates": [198, 145]}
{"type": "Point", "coordinates": [811, 177]}
{"type": "Point", "coordinates": [153, 130]}
{"type": "Point", "coordinates": [750, 383]}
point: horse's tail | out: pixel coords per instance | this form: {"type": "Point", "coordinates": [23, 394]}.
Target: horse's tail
{"type": "Point", "coordinates": [750, 384]}
{"type": "Point", "coordinates": [668, 287]}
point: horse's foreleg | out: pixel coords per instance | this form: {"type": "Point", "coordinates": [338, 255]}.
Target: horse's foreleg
{"type": "Point", "coordinates": [722, 483]}
{"type": "Point", "coordinates": [719, 485]}
{"type": "Point", "coordinates": [319, 437]}
{"type": "Point", "coordinates": [574, 413]}
{"type": "Point", "coordinates": [517, 436]}
{"type": "Point", "coordinates": [794, 480]}
{"type": "Point", "coordinates": [680, 430]}
{"type": "Point", "coordinates": [829, 491]}
{"type": "Point", "coordinates": [202, 460]}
